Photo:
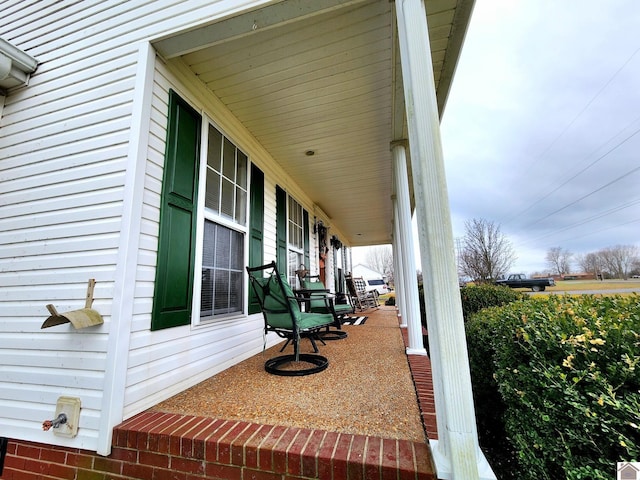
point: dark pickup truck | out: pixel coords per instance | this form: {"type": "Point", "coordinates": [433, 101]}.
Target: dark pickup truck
{"type": "Point", "coordinates": [518, 280]}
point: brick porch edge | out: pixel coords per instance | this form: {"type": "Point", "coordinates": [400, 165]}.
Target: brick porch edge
{"type": "Point", "coordinates": [157, 446]}
{"type": "Point", "coordinates": [420, 366]}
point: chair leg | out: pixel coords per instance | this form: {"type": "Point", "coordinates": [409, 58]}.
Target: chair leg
{"type": "Point", "coordinates": [285, 344]}
{"type": "Point", "coordinates": [296, 348]}
{"type": "Point", "coordinates": [313, 336]}
{"type": "Point", "coordinates": [313, 344]}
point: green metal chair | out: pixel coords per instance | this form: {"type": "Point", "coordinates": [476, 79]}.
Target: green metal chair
{"type": "Point", "coordinates": [322, 301]}
{"type": "Point", "coordinates": [282, 315]}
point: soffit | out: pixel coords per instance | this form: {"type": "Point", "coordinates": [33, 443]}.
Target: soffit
{"type": "Point", "coordinates": [327, 82]}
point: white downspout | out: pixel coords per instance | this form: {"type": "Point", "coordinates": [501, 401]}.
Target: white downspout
{"type": "Point", "coordinates": [457, 454]}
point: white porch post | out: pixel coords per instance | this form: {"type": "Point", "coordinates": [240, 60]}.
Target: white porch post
{"type": "Point", "coordinates": [456, 453]}
{"type": "Point", "coordinates": [409, 282]}
{"type": "Point", "coordinates": [399, 268]}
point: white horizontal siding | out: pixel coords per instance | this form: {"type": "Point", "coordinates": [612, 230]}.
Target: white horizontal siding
{"type": "Point", "coordinates": [63, 152]}
{"type": "Point", "coordinates": [68, 378]}
{"type": "Point", "coordinates": [47, 395]}
{"type": "Point", "coordinates": [14, 355]}
{"type": "Point", "coordinates": [202, 354]}
{"type": "Point", "coordinates": [25, 15]}
{"type": "Point", "coordinates": [18, 296]}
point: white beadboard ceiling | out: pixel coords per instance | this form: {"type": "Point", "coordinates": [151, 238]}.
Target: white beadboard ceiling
{"type": "Point", "coordinates": [323, 76]}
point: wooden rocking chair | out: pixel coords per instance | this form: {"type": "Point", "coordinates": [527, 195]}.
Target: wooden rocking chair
{"type": "Point", "coordinates": [360, 298]}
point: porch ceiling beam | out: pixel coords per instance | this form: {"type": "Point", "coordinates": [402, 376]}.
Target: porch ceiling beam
{"type": "Point", "coordinates": [245, 24]}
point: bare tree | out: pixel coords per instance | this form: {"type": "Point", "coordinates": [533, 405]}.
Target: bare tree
{"type": "Point", "coordinates": [619, 260]}
{"type": "Point", "coordinates": [486, 253]}
{"type": "Point", "coordinates": [380, 259]}
{"type": "Point", "coordinates": [590, 263]}
{"type": "Point", "coordinates": [559, 260]}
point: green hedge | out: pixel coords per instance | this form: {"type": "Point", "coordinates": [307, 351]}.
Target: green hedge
{"type": "Point", "coordinates": [478, 297]}
{"type": "Point", "coordinates": [562, 376]}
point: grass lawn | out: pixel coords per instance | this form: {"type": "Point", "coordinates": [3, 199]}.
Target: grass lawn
{"type": "Point", "coordinates": [576, 286]}
{"type": "Point", "coordinates": [573, 285]}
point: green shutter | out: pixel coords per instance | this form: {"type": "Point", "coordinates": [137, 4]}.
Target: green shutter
{"type": "Point", "coordinates": [175, 265]}
{"type": "Point", "coordinates": [281, 230]}
{"type": "Point", "coordinates": [305, 226]}
{"type": "Point", "coordinates": [256, 227]}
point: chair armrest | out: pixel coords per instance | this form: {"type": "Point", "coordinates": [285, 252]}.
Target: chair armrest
{"type": "Point", "coordinates": [309, 292]}
{"type": "Point", "coordinates": [308, 296]}
{"type": "Point", "coordinates": [328, 298]}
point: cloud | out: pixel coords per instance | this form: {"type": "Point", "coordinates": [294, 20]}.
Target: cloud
{"type": "Point", "coordinates": [541, 132]}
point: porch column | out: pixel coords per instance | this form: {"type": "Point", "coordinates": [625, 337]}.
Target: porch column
{"type": "Point", "coordinates": [456, 453]}
{"type": "Point", "coordinates": [399, 286]}
{"type": "Point", "coordinates": [409, 282]}
{"type": "Point", "coordinates": [398, 267]}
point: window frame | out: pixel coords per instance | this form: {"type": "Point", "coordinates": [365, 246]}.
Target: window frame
{"type": "Point", "coordinates": [205, 214]}
{"type": "Point", "coordinates": [292, 248]}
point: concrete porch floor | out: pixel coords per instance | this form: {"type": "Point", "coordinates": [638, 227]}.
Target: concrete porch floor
{"type": "Point", "coordinates": [368, 416]}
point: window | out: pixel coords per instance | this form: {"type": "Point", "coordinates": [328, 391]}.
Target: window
{"type": "Point", "coordinates": [222, 275]}
{"type": "Point", "coordinates": [292, 236]}
{"type": "Point", "coordinates": [295, 244]}
{"type": "Point", "coordinates": [224, 223]}
{"type": "Point", "coordinates": [226, 178]}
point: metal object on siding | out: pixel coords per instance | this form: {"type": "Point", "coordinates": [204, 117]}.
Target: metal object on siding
{"type": "Point", "coordinates": [85, 317]}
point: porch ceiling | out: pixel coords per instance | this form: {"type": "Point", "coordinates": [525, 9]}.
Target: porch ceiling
{"type": "Point", "coordinates": [323, 76]}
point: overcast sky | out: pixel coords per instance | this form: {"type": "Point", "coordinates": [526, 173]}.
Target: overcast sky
{"type": "Point", "coordinates": [541, 132]}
